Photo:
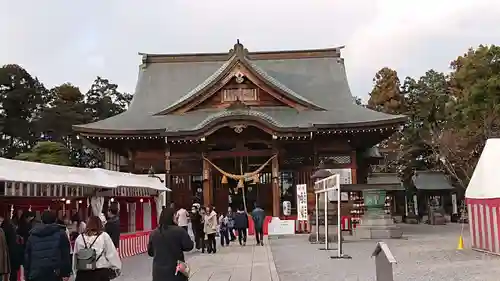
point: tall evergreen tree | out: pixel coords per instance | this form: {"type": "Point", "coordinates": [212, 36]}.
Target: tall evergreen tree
{"type": "Point", "coordinates": [22, 100]}
{"type": "Point", "coordinates": [103, 100]}
{"type": "Point", "coordinates": [386, 97]}
{"type": "Point", "coordinates": [386, 94]}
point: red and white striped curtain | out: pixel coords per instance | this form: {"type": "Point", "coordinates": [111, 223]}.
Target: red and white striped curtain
{"type": "Point", "coordinates": [484, 222]}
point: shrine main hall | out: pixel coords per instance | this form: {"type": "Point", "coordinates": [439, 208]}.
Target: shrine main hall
{"type": "Point", "coordinates": [239, 127]}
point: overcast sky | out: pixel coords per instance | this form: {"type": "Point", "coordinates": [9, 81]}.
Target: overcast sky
{"type": "Point", "coordinates": [75, 41]}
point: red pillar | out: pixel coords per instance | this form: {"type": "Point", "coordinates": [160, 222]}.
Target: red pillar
{"type": "Point", "coordinates": [154, 214]}
{"type": "Point", "coordinates": [139, 215]}
{"type": "Point", "coordinates": [123, 215]}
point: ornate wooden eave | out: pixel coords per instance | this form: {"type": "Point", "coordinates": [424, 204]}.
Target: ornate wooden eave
{"type": "Point", "coordinates": [276, 132]}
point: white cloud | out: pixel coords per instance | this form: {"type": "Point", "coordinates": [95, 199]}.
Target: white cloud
{"type": "Point", "coordinates": [61, 41]}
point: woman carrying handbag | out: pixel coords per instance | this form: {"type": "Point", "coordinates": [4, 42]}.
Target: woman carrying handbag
{"type": "Point", "coordinates": [167, 245]}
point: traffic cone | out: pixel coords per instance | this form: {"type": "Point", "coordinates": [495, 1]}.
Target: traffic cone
{"type": "Point", "coordinates": [460, 245]}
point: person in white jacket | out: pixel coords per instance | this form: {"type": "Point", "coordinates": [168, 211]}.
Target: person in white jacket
{"type": "Point", "coordinates": [210, 229]}
{"type": "Point", "coordinates": [108, 260]}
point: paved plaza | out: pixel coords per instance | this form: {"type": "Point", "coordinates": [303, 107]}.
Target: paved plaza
{"type": "Point", "coordinates": [426, 253]}
{"type": "Point", "coordinates": [235, 263]}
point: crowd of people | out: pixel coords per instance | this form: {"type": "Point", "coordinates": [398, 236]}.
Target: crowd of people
{"type": "Point", "coordinates": [53, 249]}
{"type": "Point", "coordinates": [171, 239]}
{"type": "Point", "coordinates": [207, 224]}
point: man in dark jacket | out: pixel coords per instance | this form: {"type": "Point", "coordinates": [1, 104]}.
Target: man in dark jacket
{"type": "Point", "coordinates": [258, 217]}
{"type": "Point", "coordinates": [241, 225]}
{"type": "Point", "coordinates": [112, 226]}
{"type": "Point", "coordinates": [47, 255]}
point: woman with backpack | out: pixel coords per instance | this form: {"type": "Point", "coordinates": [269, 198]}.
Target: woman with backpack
{"type": "Point", "coordinates": [94, 255]}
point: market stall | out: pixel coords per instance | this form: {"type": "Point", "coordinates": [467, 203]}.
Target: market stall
{"type": "Point", "coordinates": [483, 200]}
{"type": "Point", "coordinates": [68, 190]}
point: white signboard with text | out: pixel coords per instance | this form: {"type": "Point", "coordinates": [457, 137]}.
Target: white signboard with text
{"type": "Point", "coordinates": [301, 202]}
{"type": "Point", "coordinates": [345, 178]}
{"type": "Point", "coordinates": [281, 227]}
{"type": "Point", "coordinates": [345, 175]}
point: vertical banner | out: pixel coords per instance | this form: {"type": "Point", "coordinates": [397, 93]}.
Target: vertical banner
{"type": "Point", "coordinates": [454, 203]}
{"type": "Point", "coordinates": [302, 202]}
{"type": "Point", "coordinates": [406, 205]}
{"type": "Point", "coordinates": [415, 204]}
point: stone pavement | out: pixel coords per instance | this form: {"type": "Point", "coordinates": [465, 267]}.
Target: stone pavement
{"type": "Point", "coordinates": [426, 253]}
{"type": "Point", "coordinates": [233, 263]}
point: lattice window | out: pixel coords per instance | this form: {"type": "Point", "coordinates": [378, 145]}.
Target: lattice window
{"type": "Point", "coordinates": [337, 159]}
{"type": "Point", "coordinates": [342, 159]}
{"type": "Point", "coordinates": [242, 94]}
{"type": "Point", "coordinates": [294, 160]}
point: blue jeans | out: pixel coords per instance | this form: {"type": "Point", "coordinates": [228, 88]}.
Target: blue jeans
{"type": "Point", "coordinates": [224, 237]}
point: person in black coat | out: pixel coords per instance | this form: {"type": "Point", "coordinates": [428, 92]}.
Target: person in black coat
{"type": "Point", "coordinates": [167, 245]}
{"type": "Point", "coordinates": [197, 226]}
{"type": "Point", "coordinates": [14, 248]}
{"type": "Point", "coordinates": [112, 226]}
{"type": "Point", "coordinates": [241, 225]}
{"type": "Point", "coordinates": [47, 256]}
{"type": "Point", "coordinates": [25, 223]}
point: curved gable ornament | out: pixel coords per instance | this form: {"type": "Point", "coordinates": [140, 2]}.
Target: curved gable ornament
{"type": "Point", "coordinates": [239, 128]}
{"type": "Point", "coordinates": [239, 77]}
{"type": "Point", "coordinates": [238, 115]}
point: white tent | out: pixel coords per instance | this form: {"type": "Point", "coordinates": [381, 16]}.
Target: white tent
{"type": "Point", "coordinates": [32, 172]}
{"type": "Point", "coordinates": [132, 180]}
{"type": "Point", "coordinates": [483, 200]}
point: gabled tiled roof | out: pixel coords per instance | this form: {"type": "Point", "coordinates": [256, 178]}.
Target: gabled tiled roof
{"type": "Point", "coordinates": [431, 180]}
{"type": "Point", "coordinates": [317, 78]}
{"type": "Point", "coordinates": [238, 55]}
{"type": "Point", "coordinates": [212, 78]}
{"type": "Point", "coordinates": [279, 85]}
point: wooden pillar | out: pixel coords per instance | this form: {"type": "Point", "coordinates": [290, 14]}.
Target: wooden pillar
{"type": "Point", "coordinates": [131, 161]}
{"type": "Point", "coordinates": [107, 159]}
{"type": "Point", "coordinates": [354, 167]}
{"type": "Point", "coordinates": [207, 188]}
{"type": "Point", "coordinates": [276, 188]}
{"type": "Point", "coordinates": [168, 178]}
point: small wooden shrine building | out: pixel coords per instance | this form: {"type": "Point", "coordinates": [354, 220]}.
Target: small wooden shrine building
{"type": "Point", "coordinates": [255, 123]}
